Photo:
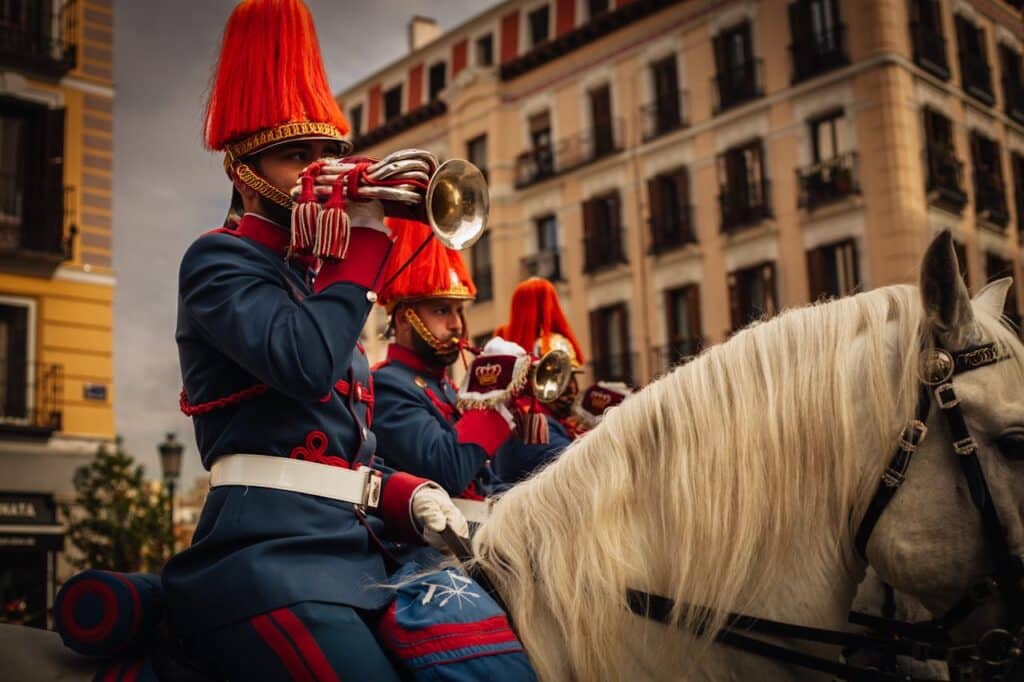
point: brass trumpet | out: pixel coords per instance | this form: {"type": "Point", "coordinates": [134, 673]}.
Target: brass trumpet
{"type": "Point", "coordinates": [551, 375]}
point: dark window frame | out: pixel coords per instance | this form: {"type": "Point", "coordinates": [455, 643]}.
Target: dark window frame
{"type": "Point", "coordinates": [824, 280]}
{"type": "Point", "coordinates": [608, 365]}
{"type": "Point", "coordinates": [742, 307]}
{"type": "Point", "coordinates": [538, 25]}
{"type": "Point", "coordinates": [355, 119]}
{"type": "Point", "coordinates": [482, 266]}
{"type": "Point", "coordinates": [437, 79]}
{"type": "Point", "coordinates": [393, 104]}
{"type": "Point", "coordinates": [484, 50]}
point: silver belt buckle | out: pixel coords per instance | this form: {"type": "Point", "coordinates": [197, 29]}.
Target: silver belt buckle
{"type": "Point", "coordinates": [373, 482]}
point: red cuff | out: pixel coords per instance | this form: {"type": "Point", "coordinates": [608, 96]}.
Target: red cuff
{"type": "Point", "coordinates": [367, 251]}
{"type": "Point", "coordinates": [396, 501]}
{"type": "Point", "coordinates": [485, 428]}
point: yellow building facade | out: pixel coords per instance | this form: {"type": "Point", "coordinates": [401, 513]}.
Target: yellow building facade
{"type": "Point", "coordinates": [56, 277]}
{"type": "Point", "coordinates": [681, 168]}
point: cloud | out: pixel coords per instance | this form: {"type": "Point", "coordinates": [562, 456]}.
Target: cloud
{"type": "Point", "coordinates": [168, 189]}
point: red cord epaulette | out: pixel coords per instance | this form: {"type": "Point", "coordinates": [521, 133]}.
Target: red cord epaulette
{"type": "Point", "coordinates": [190, 410]}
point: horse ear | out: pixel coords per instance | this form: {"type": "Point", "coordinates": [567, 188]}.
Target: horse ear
{"type": "Point", "coordinates": [947, 304]}
{"type": "Point", "coordinates": [992, 298]}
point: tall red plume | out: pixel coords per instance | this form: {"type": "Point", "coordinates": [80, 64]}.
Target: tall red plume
{"type": "Point", "coordinates": [436, 271]}
{"type": "Point", "coordinates": [535, 314]}
{"type": "Point", "coordinates": [270, 73]}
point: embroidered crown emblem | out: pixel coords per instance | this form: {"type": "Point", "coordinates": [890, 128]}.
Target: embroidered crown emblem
{"type": "Point", "coordinates": [600, 399]}
{"type": "Point", "coordinates": [487, 375]}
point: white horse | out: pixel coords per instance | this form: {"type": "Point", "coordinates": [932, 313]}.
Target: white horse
{"type": "Point", "coordinates": [736, 483]}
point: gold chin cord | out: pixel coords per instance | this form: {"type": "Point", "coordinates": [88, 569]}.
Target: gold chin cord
{"type": "Point", "coordinates": [424, 333]}
{"type": "Point", "coordinates": [250, 179]}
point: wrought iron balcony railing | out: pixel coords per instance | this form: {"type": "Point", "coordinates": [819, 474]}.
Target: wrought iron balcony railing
{"type": "Point", "coordinates": [828, 181]}
{"type": "Point", "coordinates": [43, 234]}
{"type": "Point", "coordinates": [664, 114]}
{"type": "Point", "coordinates": [818, 53]}
{"type": "Point", "coordinates": [672, 231]}
{"type": "Point", "coordinates": [737, 85]}
{"type": "Point", "coordinates": [546, 264]}
{"type": "Point", "coordinates": [945, 182]}
{"type": "Point", "coordinates": [930, 50]}
{"type": "Point", "coordinates": [541, 163]}
{"type": "Point", "coordinates": [32, 399]}
{"type": "Point", "coordinates": [42, 40]}
{"type": "Point", "coordinates": [745, 205]}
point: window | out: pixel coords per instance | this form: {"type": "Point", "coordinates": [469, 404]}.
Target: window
{"type": "Point", "coordinates": [14, 361]}
{"type": "Point", "coordinates": [596, 8]}
{"type": "Point", "coordinates": [682, 320]}
{"type": "Point", "coordinates": [603, 132]}
{"type": "Point", "coordinates": [743, 188]}
{"type": "Point", "coordinates": [485, 50]}
{"type": "Point", "coordinates": [669, 195]}
{"type": "Point", "coordinates": [975, 75]}
{"type": "Point", "coordinates": [609, 330]}
{"type": "Point", "coordinates": [736, 69]}
{"type": "Point", "coordinates": [355, 119]}
{"type": "Point", "coordinates": [997, 267]}
{"type": "Point", "coordinates": [393, 103]}
{"type": "Point", "coordinates": [540, 21]}
{"type": "Point", "coordinates": [31, 177]}
{"type": "Point", "coordinates": [602, 232]}
{"type": "Point", "coordinates": [989, 191]}
{"type": "Point", "coordinates": [926, 35]}
{"type": "Point", "coordinates": [832, 270]}
{"type": "Point", "coordinates": [665, 112]}
{"type": "Point", "coordinates": [817, 37]}
{"type": "Point", "coordinates": [825, 136]}
{"type": "Point", "coordinates": [483, 275]}
{"type": "Point", "coordinates": [546, 262]}
{"type": "Point", "coordinates": [752, 294]}
{"type": "Point", "coordinates": [1013, 82]}
{"type": "Point", "coordinates": [945, 171]}
{"type": "Point", "coordinates": [1017, 161]}
{"type": "Point", "coordinates": [540, 138]}
{"type": "Point", "coordinates": [476, 153]}
{"type": "Point", "coordinates": [436, 79]}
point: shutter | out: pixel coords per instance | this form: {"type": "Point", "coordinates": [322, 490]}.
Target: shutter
{"type": "Point", "coordinates": [53, 182]}
{"type": "Point", "coordinates": [771, 304]}
{"type": "Point", "coordinates": [963, 36]}
{"type": "Point", "coordinates": [598, 342]}
{"type": "Point", "coordinates": [657, 224]}
{"type": "Point", "coordinates": [736, 316]}
{"type": "Point", "coordinates": [799, 23]}
{"type": "Point", "coordinates": [589, 233]}
{"type": "Point", "coordinates": [626, 361]}
{"type": "Point", "coordinates": [693, 312]}
{"type": "Point", "coordinates": [614, 228]}
{"type": "Point", "coordinates": [720, 45]}
{"type": "Point", "coordinates": [681, 182]}
{"type": "Point", "coordinates": [816, 274]}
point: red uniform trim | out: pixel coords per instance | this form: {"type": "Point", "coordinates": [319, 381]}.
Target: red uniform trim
{"type": "Point", "coordinates": [136, 602]}
{"type": "Point", "coordinates": [403, 355]}
{"type": "Point", "coordinates": [281, 647]}
{"type": "Point", "coordinates": [315, 450]}
{"type": "Point", "coordinates": [485, 428]}
{"type": "Point", "coordinates": [131, 673]}
{"type": "Point", "coordinates": [446, 409]}
{"type": "Point", "coordinates": [368, 249]}
{"type": "Point", "coordinates": [191, 410]}
{"type": "Point", "coordinates": [113, 672]}
{"type": "Point", "coordinates": [446, 637]}
{"type": "Point", "coordinates": [304, 642]}
{"type": "Point", "coordinates": [396, 501]}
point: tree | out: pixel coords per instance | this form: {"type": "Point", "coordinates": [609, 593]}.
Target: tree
{"type": "Point", "coordinates": [119, 520]}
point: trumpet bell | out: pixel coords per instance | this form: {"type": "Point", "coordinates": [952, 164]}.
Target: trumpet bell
{"type": "Point", "coordinates": [551, 376]}
{"type": "Point", "coordinates": [457, 203]}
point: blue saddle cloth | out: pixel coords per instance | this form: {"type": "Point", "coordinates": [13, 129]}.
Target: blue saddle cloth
{"type": "Point", "coordinates": [445, 628]}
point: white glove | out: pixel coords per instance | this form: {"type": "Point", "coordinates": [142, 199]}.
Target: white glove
{"type": "Point", "coordinates": [499, 346]}
{"type": "Point", "coordinates": [368, 214]}
{"type": "Point", "coordinates": [433, 510]}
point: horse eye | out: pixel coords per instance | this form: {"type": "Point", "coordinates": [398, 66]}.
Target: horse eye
{"type": "Point", "coordinates": [1011, 445]}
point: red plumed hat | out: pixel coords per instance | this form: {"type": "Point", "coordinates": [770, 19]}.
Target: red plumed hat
{"type": "Point", "coordinates": [270, 84]}
{"type": "Point", "coordinates": [536, 319]}
{"type": "Point", "coordinates": [435, 272]}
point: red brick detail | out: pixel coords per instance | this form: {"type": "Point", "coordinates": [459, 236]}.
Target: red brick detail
{"type": "Point", "coordinates": [565, 17]}
{"type": "Point", "coordinates": [415, 87]}
{"type": "Point", "coordinates": [374, 112]}
{"type": "Point", "coordinates": [509, 36]}
{"type": "Point", "coordinates": [460, 56]}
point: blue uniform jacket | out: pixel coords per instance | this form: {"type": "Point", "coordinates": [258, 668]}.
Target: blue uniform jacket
{"type": "Point", "coordinates": [420, 431]}
{"type": "Point", "coordinates": [270, 367]}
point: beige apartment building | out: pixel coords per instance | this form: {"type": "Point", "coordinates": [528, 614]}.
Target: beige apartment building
{"type": "Point", "coordinates": [680, 168]}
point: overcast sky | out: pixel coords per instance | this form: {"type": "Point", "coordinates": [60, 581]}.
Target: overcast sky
{"type": "Point", "coordinates": [168, 190]}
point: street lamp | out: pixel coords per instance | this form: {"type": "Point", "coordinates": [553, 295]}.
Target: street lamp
{"type": "Point", "coordinates": [170, 463]}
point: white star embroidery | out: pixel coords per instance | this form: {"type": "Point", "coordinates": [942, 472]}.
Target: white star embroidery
{"type": "Point", "coordinates": [458, 589]}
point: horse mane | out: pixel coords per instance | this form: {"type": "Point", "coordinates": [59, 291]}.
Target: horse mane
{"type": "Point", "coordinates": [705, 483]}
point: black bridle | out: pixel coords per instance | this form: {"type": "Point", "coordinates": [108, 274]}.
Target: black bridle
{"type": "Point", "coordinates": [995, 656]}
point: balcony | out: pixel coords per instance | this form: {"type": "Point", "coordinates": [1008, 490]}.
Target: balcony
{"type": "Point", "coordinates": [42, 42]}
{"type": "Point", "coordinates": [930, 50]}
{"type": "Point", "coordinates": [1013, 93]}
{"type": "Point", "coordinates": [570, 153]}
{"type": "Point", "coordinates": [976, 77]}
{"type": "Point", "coordinates": [545, 264]}
{"type": "Point", "coordinates": [603, 249]}
{"type": "Point", "coordinates": [738, 85]}
{"type": "Point", "coordinates": [676, 353]}
{"type": "Point", "coordinates": [399, 124]}
{"type": "Point", "coordinates": [745, 206]}
{"type": "Point", "coordinates": [33, 234]}
{"type": "Point", "coordinates": [945, 182]}
{"type": "Point", "coordinates": [828, 181]}
{"type": "Point", "coordinates": [672, 231]}
{"type": "Point", "coordinates": [614, 367]}
{"type": "Point", "coordinates": [664, 115]}
{"type": "Point", "coordinates": [990, 199]}
{"type": "Point", "coordinates": [817, 54]}
{"type": "Point", "coordinates": [32, 400]}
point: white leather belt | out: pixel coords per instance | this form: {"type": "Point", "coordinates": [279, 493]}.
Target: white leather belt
{"type": "Point", "coordinates": [361, 486]}
{"type": "Point", "coordinates": [475, 511]}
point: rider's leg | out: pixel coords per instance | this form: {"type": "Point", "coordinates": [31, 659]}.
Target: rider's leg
{"type": "Point", "coordinates": [308, 641]}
